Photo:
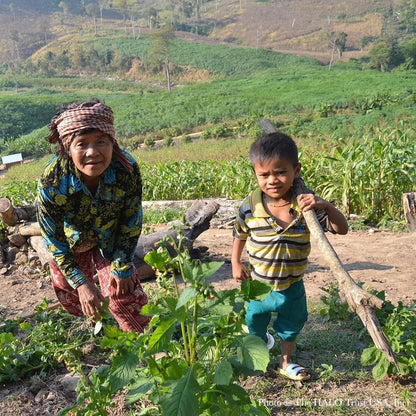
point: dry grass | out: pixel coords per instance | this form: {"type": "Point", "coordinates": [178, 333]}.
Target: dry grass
{"type": "Point", "coordinates": [290, 26]}
{"type": "Point", "coordinates": [300, 26]}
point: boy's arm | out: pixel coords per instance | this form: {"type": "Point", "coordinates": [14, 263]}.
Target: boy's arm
{"type": "Point", "coordinates": [240, 272]}
{"type": "Point", "coordinates": [335, 216]}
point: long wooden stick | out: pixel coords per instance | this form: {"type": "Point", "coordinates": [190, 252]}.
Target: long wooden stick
{"type": "Point", "coordinates": [359, 301]}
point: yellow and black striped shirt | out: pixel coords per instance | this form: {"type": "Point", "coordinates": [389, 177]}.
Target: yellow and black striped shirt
{"type": "Point", "coordinates": [277, 255]}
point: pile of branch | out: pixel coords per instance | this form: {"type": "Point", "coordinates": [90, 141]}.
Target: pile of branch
{"type": "Point", "coordinates": [16, 246]}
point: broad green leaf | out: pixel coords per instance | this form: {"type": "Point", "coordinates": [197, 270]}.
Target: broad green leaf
{"type": "Point", "coordinates": [171, 302]}
{"type": "Point", "coordinates": [6, 337]}
{"type": "Point", "coordinates": [200, 271]}
{"type": "Point", "coordinates": [235, 394]}
{"type": "Point", "coordinates": [150, 309]}
{"type": "Point", "coordinates": [187, 294]}
{"type": "Point", "coordinates": [123, 370]}
{"type": "Point", "coordinates": [26, 326]}
{"type": "Point", "coordinates": [223, 373]}
{"type": "Point", "coordinates": [208, 269]}
{"type": "Point", "coordinates": [188, 271]}
{"type": "Point", "coordinates": [139, 388]}
{"type": "Point", "coordinates": [156, 260]}
{"type": "Point", "coordinates": [181, 398]}
{"type": "Point", "coordinates": [380, 369]}
{"type": "Point", "coordinates": [175, 368]}
{"type": "Point", "coordinates": [252, 353]}
{"type": "Point", "coordinates": [370, 355]}
{"type": "Point", "coordinates": [255, 290]}
{"type": "Point", "coordinates": [162, 335]}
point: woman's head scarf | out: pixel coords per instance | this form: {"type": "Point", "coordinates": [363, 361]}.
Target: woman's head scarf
{"type": "Point", "coordinates": [84, 116]}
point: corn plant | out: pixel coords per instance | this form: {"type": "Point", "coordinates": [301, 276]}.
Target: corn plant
{"type": "Point", "coordinates": [367, 175]}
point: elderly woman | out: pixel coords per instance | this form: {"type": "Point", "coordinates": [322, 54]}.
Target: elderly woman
{"type": "Point", "coordinates": [90, 214]}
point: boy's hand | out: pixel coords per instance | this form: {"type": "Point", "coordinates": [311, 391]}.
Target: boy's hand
{"type": "Point", "coordinates": [336, 218]}
{"type": "Point", "coordinates": [240, 272]}
{"type": "Point", "coordinates": [307, 202]}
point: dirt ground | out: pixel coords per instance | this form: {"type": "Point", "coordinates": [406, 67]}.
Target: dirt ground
{"type": "Point", "coordinates": [382, 260]}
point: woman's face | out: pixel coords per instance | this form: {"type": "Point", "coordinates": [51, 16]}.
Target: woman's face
{"type": "Point", "coordinates": [91, 153]}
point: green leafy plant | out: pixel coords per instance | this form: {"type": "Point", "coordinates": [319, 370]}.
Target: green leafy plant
{"type": "Point", "coordinates": [194, 353]}
{"type": "Point", "coordinates": [28, 348]}
{"type": "Point", "coordinates": [397, 322]}
{"type": "Point", "coordinates": [400, 329]}
{"type": "Point", "coordinates": [334, 307]}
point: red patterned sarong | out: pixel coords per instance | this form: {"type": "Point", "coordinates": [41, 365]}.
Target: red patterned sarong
{"type": "Point", "coordinates": [125, 308]}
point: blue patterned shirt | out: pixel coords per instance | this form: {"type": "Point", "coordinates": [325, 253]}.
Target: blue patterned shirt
{"type": "Point", "coordinates": [73, 220]}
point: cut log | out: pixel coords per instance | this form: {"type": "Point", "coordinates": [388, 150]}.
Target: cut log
{"type": "Point", "coordinates": [359, 301]}
{"type": "Point", "coordinates": [7, 211]}
{"type": "Point", "coordinates": [28, 229]}
{"type": "Point", "coordinates": [196, 220]}
{"type": "Point", "coordinates": [409, 205]}
{"type": "Point", "coordinates": [39, 246]}
{"type": "Point", "coordinates": [12, 215]}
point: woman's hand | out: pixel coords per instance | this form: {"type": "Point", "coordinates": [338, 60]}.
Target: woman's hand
{"type": "Point", "coordinates": [124, 286]}
{"type": "Point", "coordinates": [91, 300]}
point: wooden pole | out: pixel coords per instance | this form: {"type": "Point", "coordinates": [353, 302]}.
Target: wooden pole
{"type": "Point", "coordinates": [409, 205]}
{"type": "Point", "coordinates": [359, 301]}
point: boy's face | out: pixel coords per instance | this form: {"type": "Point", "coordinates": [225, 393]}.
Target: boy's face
{"type": "Point", "coordinates": [276, 176]}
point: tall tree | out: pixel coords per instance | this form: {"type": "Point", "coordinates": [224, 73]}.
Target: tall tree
{"type": "Point", "coordinates": [151, 16]}
{"type": "Point", "coordinates": [337, 42]}
{"type": "Point", "coordinates": [129, 8]}
{"type": "Point", "coordinates": [44, 27]}
{"type": "Point", "coordinates": [102, 4]}
{"type": "Point", "coordinates": [64, 6]}
{"type": "Point", "coordinates": [15, 38]}
{"type": "Point", "coordinates": [92, 9]}
{"type": "Point", "coordinates": [161, 42]}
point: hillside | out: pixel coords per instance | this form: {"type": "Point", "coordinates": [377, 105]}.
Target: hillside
{"type": "Point", "coordinates": [298, 27]}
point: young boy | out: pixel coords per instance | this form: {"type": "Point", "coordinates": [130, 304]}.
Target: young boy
{"type": "Point", "coordinates": [270, 220]}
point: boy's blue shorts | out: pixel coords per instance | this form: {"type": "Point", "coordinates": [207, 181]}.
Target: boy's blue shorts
{"type": "Point", "coordinates": [291, 309]}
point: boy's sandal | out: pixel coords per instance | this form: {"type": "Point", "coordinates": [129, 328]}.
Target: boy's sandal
{"type": "Point", "coordinates": [295, 372]}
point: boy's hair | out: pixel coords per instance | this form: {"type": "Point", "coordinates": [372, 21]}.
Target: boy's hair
{"type": "Point", "coordinates": [274, 146]}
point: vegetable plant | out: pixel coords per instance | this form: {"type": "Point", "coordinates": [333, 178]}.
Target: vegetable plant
{"type": "Point", "coordinates": [194, 353]}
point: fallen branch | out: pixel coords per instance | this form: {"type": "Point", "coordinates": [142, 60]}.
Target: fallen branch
{"type": "Point", "coordinates": [359, 301]}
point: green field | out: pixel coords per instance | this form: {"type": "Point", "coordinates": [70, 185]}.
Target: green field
{"type": "Point", "coordinates": [354, 127]}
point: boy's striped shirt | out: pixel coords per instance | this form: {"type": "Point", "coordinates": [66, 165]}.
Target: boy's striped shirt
{"type": "Point", "coordinates": [277, 256]}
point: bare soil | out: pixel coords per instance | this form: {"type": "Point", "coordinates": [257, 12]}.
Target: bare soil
{"type": "Point", "coordinates": [382, 260]}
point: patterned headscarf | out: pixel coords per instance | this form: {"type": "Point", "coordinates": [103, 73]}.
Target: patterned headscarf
{"type": "Point", "coordinates": [86, 115]}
